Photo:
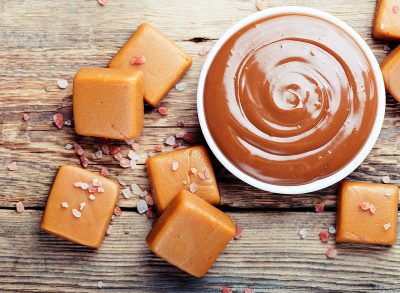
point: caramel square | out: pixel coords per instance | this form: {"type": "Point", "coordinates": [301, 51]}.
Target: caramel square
{"type": "Point", "coordinates": [391, 73]}
{"type": "Point", "coordinates": [367, 213]}
{"type": "Point", "coordinates": [387, 20]}
{"type": "Point", "coordinates": [193, 172]}
{"type": "Point", "coordinates": [191, 234]}
{"type": "Point", "coordinates": [76, 214]}
{"type": "Point", "coordinates": [164, 64]}
{"type": "Point", "coordinates": [108, 102]}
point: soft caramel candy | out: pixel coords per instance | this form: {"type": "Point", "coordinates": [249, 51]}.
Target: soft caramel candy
{"type": "Point", "coordinates": [391, 73]}
{"type": "Point", "coordinates": [80, 206]}
{"type": "Point", "coordinates": [108, 102]}
{"type": "Point", "coordinates": [187, 169]}
{"type": "Point", "coordinates": [191, 234]}
{"type": "Point", "coordinates": [387, 20]}
{"type": "Point", "coordinates": [161, 60]}
{"type": "Point", "coordinates": [367, 213]}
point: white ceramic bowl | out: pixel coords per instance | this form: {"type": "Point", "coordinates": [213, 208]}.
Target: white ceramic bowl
{"type": "Point", "coordinates": [321, 183]}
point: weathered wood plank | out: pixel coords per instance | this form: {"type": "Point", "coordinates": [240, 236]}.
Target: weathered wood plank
{"type": "Point", "coordinates": [269, 257]}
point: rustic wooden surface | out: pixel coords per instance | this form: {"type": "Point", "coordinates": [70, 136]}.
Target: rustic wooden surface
{"type": "Point", "coordinates": [43, 41]}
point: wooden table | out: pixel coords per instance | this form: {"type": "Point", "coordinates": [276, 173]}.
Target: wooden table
{"type": "Point", "coordinates": [43, 41]}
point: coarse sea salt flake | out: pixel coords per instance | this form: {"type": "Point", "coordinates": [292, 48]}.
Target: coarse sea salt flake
{"type": "Point", "coordinates": [99, 154]}
{"type": "Point", "coordinates": [100, 189]}
{"type": "Point", "coordinates": [76, 213]}
{"type": "Point", "coordinates": [126, 193]}
{"type": "Point", "coordinates": [136, 190]}
{"type": "Point", "coordinates": [142, 206]}
{"type": "Point", "coordinates": [175, 166]}
{"type": "Point", "coordinates": [92, 197]}
{"type": "Point", "coordinates": [62, 83]}
{"type": "Point", "coordinates": [170, 140]}
{"type": "Point", "coordinates": [132, 155]}
{"type": "Point", "coordinates": [82, 206]}
{"type": "Point", "coordinates": [69, 146]}
{"type": "Point", "coordinates": [64, 204]}
{"type": "Point", "coordinates": [387, 226]}
{"type": "Point", "coordinates": [96, 182]}
{"type": "Point", "coordinates": [331, 230]}
{"type": "Point", "coordinates": [193, 187]}
{"type": "Point", "coordinates": [303, 233]}
{"type": "Point", "coordinates": [180, 86]}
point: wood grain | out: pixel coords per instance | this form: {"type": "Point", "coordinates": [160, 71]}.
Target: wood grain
{"type": "Point", "coordinates": [270, 257]}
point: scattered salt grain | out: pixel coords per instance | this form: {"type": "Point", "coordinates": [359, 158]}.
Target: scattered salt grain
{"type": "Point", "coordinates": [386, 179]}
{"type": "Point", "coordinates": [149, 200]}
{"type": "Point", "coordinates": [201, 175]}
{"type": "Point", "coordinates": [188, 137]}
{"type": "Point", "coordinates": [82, 206]}
{"type": "Point", "coordinates": [105, 148]}
{"type": "Point", "coordinates": [83, 185]}
{"type": "Point", "coordinates": [100, 189]}
{"type": "Point", "coordinates": [64, 204]}
{"type": "Point", "coordinates": [92, 197]}
{"type": "Point", "coordinates": [331, 253]}
{"type": "Point", "coordinates": [174, 166]}
{"type": "Point", "coordinates": [19, 207]}
{"type": "Point", "coordinates": [386, 48]}
{"type": "Point", "coordinates": [193, 170]}
{"type": "Point", "coordinates": [76, 213]}
{"type": "Point", "coordinates": [238, 232]}
{"type": "Point", "coordinates": [136, 190]}
{"type": "Point", "coordinates": [142, 206]}
{"type": "Point", "coordinates": [121, 182]}
{"type": "Point", "coordinates": [226, 290]}
{"type": "Point", "coordinates": [58, 120]}
{"type": "Point", "coordinates": [84, 161]}
{"type": "Point", "coordinates": [68, 122]}
{"type": "Point", "coordinates": [135, 146]}
{"type": "Point", "coordinates": [150, 213]}
{"type": "Point", "coordinates": [331, 230]}
{"type": "Point", "coordinates": [99, 154]}
{"type": "Point", "coordinates": [78, 149]}
{"type": "Point", "coordinates": [193, 187]}
{"type": "Point", "coordinates": [130, 141]}
{"type": "Point", "coordinates": [114, 149]}
{"type": "Point", "coordinates": [204, 50]}
{"type": "Point", "coordinates": [12, 166]}
{"type": "Point", "coordinates": [25, 117]}
{"type": "Point", "coordinates": [372, 209]}
{"type": "Point", "coordinates": [62, 83]}
{"type": "Point", "coordinates": [125, 163]}
{"type": "Point", "coordinates": [259, 5]}
{"type": "Point", "coordinates": [96, 182]}
{"type": "Point", "coordinates": [143, 194]}
{"type": "Point", "coordinates": [180, 86]}
{"type": "Point", "coordinates": [170, 140]}
{"type": "Point", "coordinates": [133, 164]}
{"type": "Point", "coordinates": [387, 226]}
{"type": "Point", "coordinates": [109, 230]}
{"type": "Point", "coordinates": [365, 206]}
{"type": "Point", "coordinates": [179, 135]}
{"type": "Point", "coordinates": [132, 155]}
{"type": "Point", "coordinates": [180, 123]}
{"type": "Point", "coordinates": [163, 111]}
{"type": "Point", "coordinates": [117, 211]}
{"type": "Point", "coordinates": [138, 60]}
{"type": "Point", "coordinates": [158, 148]}
{"type": "Point", "coordinates": [126, 193]}
{"type": "Point", "coordinates": [118, 156]}
{"type": "Point", "coordinates": [69, 146]}
{"type": "Point", "coordinates": [319, 207]}
{"type": "Point", "coordinates": [100, 283]}
{"type": "Point", "coordinates": [104, 172]}
{"type": "Point", "coordinates": [92, 188]}
{"type": "Point", "coordinates": [324, 236]}
{"type": "Point", "coordinates": [303, 233]}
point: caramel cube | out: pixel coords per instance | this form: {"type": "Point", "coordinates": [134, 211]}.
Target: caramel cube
{"type": "Point", "coordinates": [186, 169]}
{"type": "Point", "coordinates": [108, 102]}
{"type": "Point", "coordinates": [367, 213]}
{"type": "Point", "coordinates": [163, 64]}
{"type": "Point", "coordinates": [387, 20]}
{"type": "Point", "coordinates": [391, 73]}
{"type": "Point", "coordinates": [191, 234]}
{"type": "Point", "coordinates": [80, 206]}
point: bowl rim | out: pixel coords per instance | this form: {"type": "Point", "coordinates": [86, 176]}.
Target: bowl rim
{"type": "Point", "coordinates": [320, 183]}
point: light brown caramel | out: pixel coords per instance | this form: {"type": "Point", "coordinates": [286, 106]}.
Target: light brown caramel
{"type": "Point", "coordinates": [387, 20]}
{"type": "Point", "coordinates": [391, 73]}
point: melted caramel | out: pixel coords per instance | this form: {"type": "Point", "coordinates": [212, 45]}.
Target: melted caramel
{"type": "Point", "coordinates": [290, 99]}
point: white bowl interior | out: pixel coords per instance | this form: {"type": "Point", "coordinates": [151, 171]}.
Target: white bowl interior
{"type": "Point", "coordinates": [320, 183]}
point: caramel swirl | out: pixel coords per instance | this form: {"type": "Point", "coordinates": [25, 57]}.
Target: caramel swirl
{"type": "Point", "coordinates": [290, 99]}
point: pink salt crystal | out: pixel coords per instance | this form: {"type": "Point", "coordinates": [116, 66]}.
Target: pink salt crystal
{"type": "Point", "coordinates": [158, 148]}
{"type": "Point", "coordinates": [226, 290]}
{"type": "Point", "coordinates": [324, 236]}
{"type": "Point", "coordinates": [64, 204]}
{"type": "Point", "coordinates": [331, 253]}
{"type": "Point", "coordinates": [193, 187]}
{"type": "Point", "coordinates": [125, 163]}
{"type": "Point", "coordinates": [238, 232]}
{"type": "Point", "coordinates": [319, 207]}
{"type": "Point", "coordinates": [179, 135]}
{"type": "Point", "coordinates": [58, 120]}
{"type": "Point", "coordinates": [150, 213]}
{"type": "Point", "coordinates": [104, 172]}
{"type": "Point", "coordinates": [170, 140]}
{"type": "Point", "coordinates": [100, 189]}
{"type": "Point", "coordinates": [193, 170]}
{"type": "Point", "coordinates": [19, 207]}
{"type": "Point", "coordinates": [175, 166]}
{"type": "Point", "coordinates": [118, 156]}
{"type": "Point", "coordinates": [248, 290]}
{"type": "Point", "coordinates": [180, 123]}
{"type": "Point", "coordinates": [135, 146]}
{"type": "Point", "coordinates": [149, 200]}
{"type": "Point", "coordinates": [372, 209]}
{"type": "Point", "coordinates": [188, 137]}
{"type": "Point", "coordinates": [76, 213]}
{"type": "Point", "coordinates": [84, 161]}
{"type": "Point", "coordinates": [78, 149]}
{"type": "Point", "coordinates": [176, 145]}
{"type": "Point", "coordinates": [364, 206]}
{"type": "Point", "coordinates": [96, 182]}
{"type": "Point", "coordinates": [25, 117]}
{"type": "Point", "coordinates": [12, 166]}
{"type": "Point", "coordinates": [138, 60]}
{"type": "Point", "coordinates": [114, 150]}
{"type": "Point", "coordinates": [117, 211]}
{"type": "Point", "coordinates": [207, 174]}
{"type": "Point", "coordinates": [130, 142]}
{"type": "Point", "coordinates": [105, 148]}
{"type": "Point", "coordinates": [121, 182]}
{"type": "Point", "coordinates": [163, 111]}
{"type": "Point", "coordinates": [92, 188]}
